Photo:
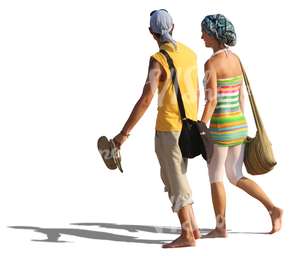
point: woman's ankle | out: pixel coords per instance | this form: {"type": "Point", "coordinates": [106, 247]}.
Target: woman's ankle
{"type": "Point", "coordinates": [271, 208]}
{"type": "Point", "coordinates": [220, 222]}
{"type": "Point", "coordinates": [221, 229]}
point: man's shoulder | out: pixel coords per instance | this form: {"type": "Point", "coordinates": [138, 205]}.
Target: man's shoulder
{"type": "Point", "coordinates": [187, 49]}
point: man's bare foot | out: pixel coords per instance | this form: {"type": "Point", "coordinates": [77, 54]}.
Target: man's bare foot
{"type": "Point", "coordinates": [197, 234]}
{"type": "Point", "coordinates": [217, 232]}
{"type": "Point", "coordinates": [181, 242]}
{"type": "Point", "coordinates": [276, 217]}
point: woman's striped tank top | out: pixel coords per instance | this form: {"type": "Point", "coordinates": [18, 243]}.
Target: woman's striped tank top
{"type": "Point", "coordinates": [228, 126]}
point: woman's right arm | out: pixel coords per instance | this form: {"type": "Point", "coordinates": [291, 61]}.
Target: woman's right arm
{"type": "Point", "coordinates": [210, 91]}
{"type": "Point", "coordinates": [242, 97]}
{"type": "Point", "coordinates": [241, 92]}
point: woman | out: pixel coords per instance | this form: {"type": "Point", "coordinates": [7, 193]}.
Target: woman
{"type": "Point", "coordinates": [225, 110]}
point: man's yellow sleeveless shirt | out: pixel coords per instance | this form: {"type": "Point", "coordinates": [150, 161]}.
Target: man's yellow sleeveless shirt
{"type": "Point", "coordinates": [185, 61]}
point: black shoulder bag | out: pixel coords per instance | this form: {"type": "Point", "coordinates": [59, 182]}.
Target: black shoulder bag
{"type": "Point", "coordinates": [194, 137]}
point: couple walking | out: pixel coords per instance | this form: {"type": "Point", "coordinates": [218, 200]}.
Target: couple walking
{"type": "Point", "coordinates": [223, 110]}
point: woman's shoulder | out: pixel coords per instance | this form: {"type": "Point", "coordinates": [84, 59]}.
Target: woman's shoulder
{"type": "Point", "coordinates": [236, 56]}
{"type": "Point", "coordinates": [221, 60]}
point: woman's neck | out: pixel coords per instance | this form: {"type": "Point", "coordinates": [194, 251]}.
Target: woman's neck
{"type": "Point", "coordinates": [218, 48]}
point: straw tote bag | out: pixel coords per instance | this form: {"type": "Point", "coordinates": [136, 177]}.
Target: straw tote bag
{"type": "Point", "coordinates": [259, 157]}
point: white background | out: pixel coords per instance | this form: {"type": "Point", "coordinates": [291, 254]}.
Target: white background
{"type": "Point", "coordinates": [71, 71]}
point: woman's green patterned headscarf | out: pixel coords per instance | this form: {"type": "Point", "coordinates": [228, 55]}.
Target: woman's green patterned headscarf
{"type": "Point", "coordinates": [220, 27]}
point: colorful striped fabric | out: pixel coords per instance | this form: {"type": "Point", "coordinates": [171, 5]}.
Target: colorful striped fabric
{"type": "Point", "coordinates": [228, 126]}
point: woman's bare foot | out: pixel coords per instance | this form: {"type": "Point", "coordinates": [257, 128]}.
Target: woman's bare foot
{"type": "Point", "coordinates": [217, 232]}
{"type": "Point", "coordinates": [181, 241]}
{"type": "Point", "coordinates": [197, 234]}
{"type": "Point", "coordinates": [276, 217]}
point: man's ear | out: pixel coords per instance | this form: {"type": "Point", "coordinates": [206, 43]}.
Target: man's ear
{"type": "Point", "coordinates": [172, 29]}
{"type": "Point", "coordinates": [152, 33]}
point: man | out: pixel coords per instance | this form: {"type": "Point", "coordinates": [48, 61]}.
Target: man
{"type": "Point", "coordinates": [168, 122]}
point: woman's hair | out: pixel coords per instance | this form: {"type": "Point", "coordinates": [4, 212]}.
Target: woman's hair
{"type": "Point", "coordinates": [220, 27]}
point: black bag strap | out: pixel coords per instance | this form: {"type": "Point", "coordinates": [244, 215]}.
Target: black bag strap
{"type": "Point", "coordinates": [175, 83]}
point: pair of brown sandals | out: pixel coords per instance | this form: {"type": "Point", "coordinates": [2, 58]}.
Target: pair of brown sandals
{"type": "Point", "coordinates": [110, 153]}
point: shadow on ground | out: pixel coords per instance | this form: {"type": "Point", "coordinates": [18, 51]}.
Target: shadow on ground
{"type": "Point", "coordinates": [53, 234]}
